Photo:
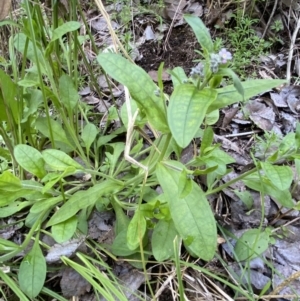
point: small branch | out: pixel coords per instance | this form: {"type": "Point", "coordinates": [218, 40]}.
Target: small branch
{"type": "Point", "coordinates": [291, 50]}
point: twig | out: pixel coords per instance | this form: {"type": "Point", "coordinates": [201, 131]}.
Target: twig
{"type": "Point", "coordinates": [270, 19]}
{"type": "Point", "coordinates": [291, 50]}
{"type": "Point", "coordinates": [171, 26]}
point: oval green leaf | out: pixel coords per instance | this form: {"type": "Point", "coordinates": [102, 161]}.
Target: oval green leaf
{"type": "Point", "coordinates": [64, 231]}
{"type": "Point", "coordinates": [32, 272]}
{"type": "Point", "coordinates": [30, 159]}
{"type": "Point", "coordinates": [252, 243]}
{"type": "Point", "coordinates": [280, 176]}
{"type": "Point", "coordinates": [192, 215]}
{"type": "Point", "coordinates": [89, 134]}
{"type": "Point", "coordinates": [187, 110]}
{"type": "Point", "coordinates": [140, 86]}
{"type": "Point", "coordinates": [201, 32]}
{"type": "Point", "coordinates": [162, 241]}
{"type": "Point", "coordinates": [136, 230]}
{"type": "Point", "coordinates": [83, 199]}
{"type": "Point", "coordinates": [58, 160]}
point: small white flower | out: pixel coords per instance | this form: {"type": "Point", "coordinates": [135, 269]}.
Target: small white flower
{"type": "Point", "coordinates": [225, 56]}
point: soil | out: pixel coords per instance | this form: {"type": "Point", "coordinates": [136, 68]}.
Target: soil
{"type": "Point", "coordinates": [178, 52]}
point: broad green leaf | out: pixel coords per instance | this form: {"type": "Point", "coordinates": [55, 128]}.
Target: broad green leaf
{"type": "Point", "coordinates": [118, 149]}
{"type": "Point", "coordinates": [32, 272]}
{"type": "Point", "coordinates": [7, 197]}
{"type": "Point", "coordinates": [64, 231]}
{"type": "Point", "coordinates": [178, 76]}
{"type": "Point", "coordinates": [187, 110]}
{"type": "Point", "coordinates": [33, 52]}
{"type": "Point", "coordinates": [13, 208]}
{"type": "Point", "coordinates": [30, 159]}
{"type": "Point", "coordinates": [59, 160]}
{"type": "Point", "coordinates": [207, 140]}
{"type": "Point", "coordinates": [185, 184]}
{"type": "Point", "coordinates": [280, 176]}
{"type": "Point", "coordinates": [245, 197]}
{"type": "Point", "coordinates": [140, 86]}
{"type": "Point", "coordinates": [46, 204]}
{"type": "Point", "coordinates": [65, 28]}
{"type": "Point", "coordinates": [105, 139]}
{"type": "Point", "coordinates": [119, 246]}
{"type": "Point", "coordinates": [32, 218]}
{"type": "Point", "coordinates": [83, 199]}
{"type": "Point", "coordinates": [122, 220]}
{"type": "Point", "coordinates": [201, 32]}
{"type": "Point", "coordinates": [33, 101]}
{"type": "Point", "coordinates": [68, 94]}
{"type": "Point", "coordinates": [265, 186]}
{"type": "Point", "coordinates": [57, 130]}
{"type": "Point", "coordinates": [136, 230]}
{"type": "Point", "coordinates": [9, 182]}
{"type": "Point", "coordinates": [8, 102]}
{"type": "Point", "coordinates": [192, 215]}
{"type": "Point", "coordinates": [252, 243]}
{"type": "Point", "coordinates": [229, 95]}
{"type": "Point", "coordinates": [27, 83]}
{"type": "Point", "coordinates": [236, 81]}
{"type": "Point", "coordinates": [89, 134]}
{"type": "Point", "coordinates": [162, 241]}
{"type": "Point", "coordinates": [212, 117]}
{"type": "Point", "coordinates": [52, 178]}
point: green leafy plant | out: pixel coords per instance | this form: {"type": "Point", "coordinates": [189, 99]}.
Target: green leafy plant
{"type": "Point", "coordinates": [245, 43]}
{"type": "Point", "coordinates": [43, 150]}
{"type": "Point", "coordinates": [192, 100]}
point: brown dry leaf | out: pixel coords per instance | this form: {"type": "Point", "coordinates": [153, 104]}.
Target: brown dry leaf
{"type": "Point", "coordinates": [227, 144]}
{"type": "Point", "coordinates": [261, 115]}
{"type": "Point", "coordinates": [130, 280]}
{"type": "Point", "coordinates": [291, 95]}
{"type": "Point", "coordinates": [9, 228]}
{"type": "Point", "coordinates": [65, 249]}
{"type": "Point", "coordinates": [73, 284]}
{"type": "Point", "coordinates": [173, 8]}
{"type": "Point", "coordinates": [91, 100]}
{"type": "Point", "coordinates": [4, 8]}
{"type": "Point", "coordinates": [278, 100]}
{"type": "Point", "coordinates": [195, 9]}
{"type": "Point", "coordinates": [100, 223]}
{"type": "Point", "coordinates": [165, 76]}
{"type": "Point", "coordinates": [288, 122]}
{"type": "Point", "coordinates": [100, 25]}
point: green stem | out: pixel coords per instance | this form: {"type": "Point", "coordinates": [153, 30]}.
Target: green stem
{"type": "Point", "coordinates": [242, 176]}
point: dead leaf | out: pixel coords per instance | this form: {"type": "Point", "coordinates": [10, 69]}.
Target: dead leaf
{"type": "Point", "coordinates": [100, 223]}
{"type": "Point", "coordinates": [73, 284]}
{"type": "Point", "coordinates": [100, 25]}
{"type": "Point", "coordinates": [149, 34]}
{"type": "Point", "coordinates": [4, 8]}
{"type": "Point", "coordinates": [173, 8]}
{"type": "Point", "coordinates": [261, 115]}
{"type": "Point", "coordinates": [65, 249]}
{"type": "Point", "coordinates": [154, 75]}
{"type": "Point", "coordinates": [278, 100]}
{"type": "Point", "coordinates": [85, 91]}
{"type": "Point", "coordinates": [195, 9]}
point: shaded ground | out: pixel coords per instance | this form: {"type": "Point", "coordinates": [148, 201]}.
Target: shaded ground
{"type": "Point", "coordinates": [178, 52]}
